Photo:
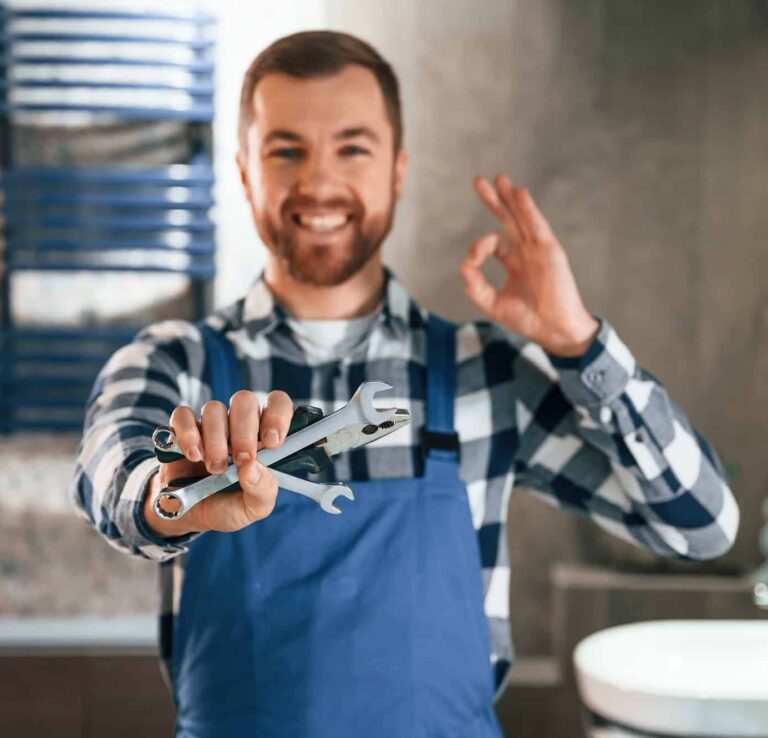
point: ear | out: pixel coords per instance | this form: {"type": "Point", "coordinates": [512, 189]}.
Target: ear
{"type": "Point", "coordinates": [240, 160]}
{"type": "Point", "coordinates": [401, 163]}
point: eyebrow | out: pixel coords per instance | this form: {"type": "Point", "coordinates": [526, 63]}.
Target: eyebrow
{"type": "Point", "coordinates": [342, 135]}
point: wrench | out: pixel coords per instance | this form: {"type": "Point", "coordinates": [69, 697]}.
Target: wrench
{"type": "Point", "coordinates": [323, 494]}
{"type": "Point", "coordinates": [360, 409]}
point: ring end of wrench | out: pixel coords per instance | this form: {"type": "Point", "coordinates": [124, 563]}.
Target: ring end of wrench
{"type": "Point", "coordinates": [168, 514]}
{"type": "Point", "coordinates": [164, 438]}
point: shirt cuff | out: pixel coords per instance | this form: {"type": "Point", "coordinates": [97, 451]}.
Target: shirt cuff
{"type": "Point", "coordinates": [601, 374]}
{"type": "Point", "coordinates": [136, 531]}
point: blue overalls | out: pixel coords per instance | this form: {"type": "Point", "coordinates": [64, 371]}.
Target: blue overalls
{"type": "Point", "coordinates": [365, 624]}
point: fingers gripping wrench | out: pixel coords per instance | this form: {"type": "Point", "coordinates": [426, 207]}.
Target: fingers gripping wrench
{"type": "Point", "coordinates": [360, 409]}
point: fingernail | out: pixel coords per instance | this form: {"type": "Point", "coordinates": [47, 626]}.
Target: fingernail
{"type": "Point", "coordinates": [217, 467]}
{"type": "Point", "coordinates": [194, 454]}
{"type": "Point", "coordinates": [243, 457]}
{"type": "Point", "coordinates": [254, 474]}
{"type": "Point", "coordinates": [272, 437]}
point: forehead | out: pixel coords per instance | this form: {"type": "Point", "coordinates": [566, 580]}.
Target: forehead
{"type": "Point", "coordinates": [351, 97]}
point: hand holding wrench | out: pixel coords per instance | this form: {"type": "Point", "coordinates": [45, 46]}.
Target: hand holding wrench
{"type": "Point", "coordinates": [359, 409]}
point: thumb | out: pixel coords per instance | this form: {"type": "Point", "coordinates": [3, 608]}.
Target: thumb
{"type": "Point", "coordinates": [259, 490]}
{"type": "Point", "coordinates": [476, 286]}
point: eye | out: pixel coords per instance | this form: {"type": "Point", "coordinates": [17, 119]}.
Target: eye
{"type": "Point", "coordinates": [352, 149]}
{"type": "Point", "coordinates": [292, 153]}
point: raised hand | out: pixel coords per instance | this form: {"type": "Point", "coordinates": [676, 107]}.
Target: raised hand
{"type": "Point", "coordinates": [539, 300]}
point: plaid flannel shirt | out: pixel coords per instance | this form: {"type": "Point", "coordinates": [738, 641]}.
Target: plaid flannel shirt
{"type": "Point", "coordinates": [595, 434]}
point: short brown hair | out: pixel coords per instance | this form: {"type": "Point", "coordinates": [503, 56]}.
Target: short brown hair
{"type": "Point", "coordinates": [319, 54]}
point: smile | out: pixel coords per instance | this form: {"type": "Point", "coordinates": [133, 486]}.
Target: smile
{"type": "Point", "coordinates": [325, 223]}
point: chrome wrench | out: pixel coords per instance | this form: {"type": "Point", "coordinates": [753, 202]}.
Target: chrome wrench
{"type": "Point", "coordinates": [323, 494]}
{"type": "Point", "coordinates": [360, 409]}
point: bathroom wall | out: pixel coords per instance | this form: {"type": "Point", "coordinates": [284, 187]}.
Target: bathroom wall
{"type": "Point", "coordinates": [641, 130]}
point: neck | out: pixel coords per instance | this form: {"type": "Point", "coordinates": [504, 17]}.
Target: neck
{"type": "Point", "coordinates": [358, 296]}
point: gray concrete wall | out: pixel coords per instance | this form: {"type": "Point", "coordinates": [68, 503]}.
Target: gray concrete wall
{"type": "Point", "coordinates": [641, 129]}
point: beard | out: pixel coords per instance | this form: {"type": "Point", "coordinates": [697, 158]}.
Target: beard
{"type": "Point", "coordinates": [327, 261]}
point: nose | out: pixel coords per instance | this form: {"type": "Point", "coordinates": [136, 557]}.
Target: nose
{"type": "Point", "coordinates": [316, 177]}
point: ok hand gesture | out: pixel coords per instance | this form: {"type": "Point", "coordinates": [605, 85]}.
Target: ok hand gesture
{"type": "Point", "coordinates": [539, 300]}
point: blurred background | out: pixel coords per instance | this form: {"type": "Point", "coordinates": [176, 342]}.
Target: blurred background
{"type": "Point", "coordinates": [639, 126]}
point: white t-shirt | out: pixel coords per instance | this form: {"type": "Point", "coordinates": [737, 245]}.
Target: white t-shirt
{"type": "Point", "coordinates": [329, 340]}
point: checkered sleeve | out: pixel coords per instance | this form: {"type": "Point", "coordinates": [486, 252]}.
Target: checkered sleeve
{"type": "Point", "coordinates": [136, 391]}
{"type": "Point", "coordinates": [601, 436]}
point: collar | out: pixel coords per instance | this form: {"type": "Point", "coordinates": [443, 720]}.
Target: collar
{"type": "Point", "coordinates": [262, 313]}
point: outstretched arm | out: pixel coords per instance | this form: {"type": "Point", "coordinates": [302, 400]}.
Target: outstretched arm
{"type": "Point", "coordinates": [155, 380]}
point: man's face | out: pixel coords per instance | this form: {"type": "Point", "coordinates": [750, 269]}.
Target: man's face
{"type": "Point", "coordinates": [320, 172]}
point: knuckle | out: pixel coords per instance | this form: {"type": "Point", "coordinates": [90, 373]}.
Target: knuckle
{"type": "Point", "coordinates": [265, 480]}
{"type": "Point", "coordinates": [263, 508]}
{"type": "Point", "coordinates": [249, 475]}
{"type": "Point", "coordinates": [279, 396]}
{"type": "Point", "coordinates": [243, 396]}
{"type": "Point", "coordinates": [180, 413]}
{"type": "Point", "coordinates": [266, 487]}
{"type": "Point", "coordinates": [215, 449]}
{"type": "Point", "coordinates": [188, 438]}
{"type": "Point", "coordinates": [278, 404]}
{"type": "Point", "coordinates": [212, 406]}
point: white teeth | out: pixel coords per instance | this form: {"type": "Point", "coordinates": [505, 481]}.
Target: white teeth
{"type": "Point", "coordinates": [322, 223]}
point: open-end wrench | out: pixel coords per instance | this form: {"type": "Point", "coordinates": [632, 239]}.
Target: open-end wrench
{"type": "Point", "coordinates": [323, 494]}
{"type": "Point", "coordinates": [360, 409]}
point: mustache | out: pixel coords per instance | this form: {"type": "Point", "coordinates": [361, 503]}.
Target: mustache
{"type": "Point", "coordinates": [296, 204]}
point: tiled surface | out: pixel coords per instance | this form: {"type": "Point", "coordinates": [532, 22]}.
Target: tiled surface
{"type": "Point", "coordinates": [51, 562]}
{"type": "Point", "coordinates": [83, 697]}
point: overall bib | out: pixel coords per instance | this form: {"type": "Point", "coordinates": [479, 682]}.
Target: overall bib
{"type": "Point", "coordinates": [365, 624]}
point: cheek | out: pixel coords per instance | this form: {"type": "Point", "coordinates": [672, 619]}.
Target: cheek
{"type": "Point", "coordinates": [266, 194]}
{"type": "Point", "coordinates": [377, 191]}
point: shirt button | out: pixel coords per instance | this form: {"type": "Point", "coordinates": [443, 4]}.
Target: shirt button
{"type": "Point", "coordinates": [594, 376]}
{"type": "Point", "coordinates": [606, 414]}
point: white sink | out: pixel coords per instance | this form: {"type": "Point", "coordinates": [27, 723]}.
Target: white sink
{"type": "Point", "coordinates": [678, 677]}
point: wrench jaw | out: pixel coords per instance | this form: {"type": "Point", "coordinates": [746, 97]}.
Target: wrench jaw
{"type": "Point", "coordinates": [330, 494]}
{"type": "Point", "coordinates": [364, 398]}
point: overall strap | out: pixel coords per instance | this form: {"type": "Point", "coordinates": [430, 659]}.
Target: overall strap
{"type": "Point", "coordinates": [439, 438]}
{"type": "Point", "coordinates": [222, 370]}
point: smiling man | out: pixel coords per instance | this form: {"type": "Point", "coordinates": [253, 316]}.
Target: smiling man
{"type": "Point", "coordinates": [325, 225]}
{"type": "Point", "coordinates": [390, 619]}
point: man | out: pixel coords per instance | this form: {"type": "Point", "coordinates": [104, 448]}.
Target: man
{"type": "Point", "coordinates": [391, 618]}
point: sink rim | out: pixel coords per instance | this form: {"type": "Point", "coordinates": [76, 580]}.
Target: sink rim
{"type": "Point", "coordinates": [599, 639]}
{"type": "Point", "coordinates": [684, 711]}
